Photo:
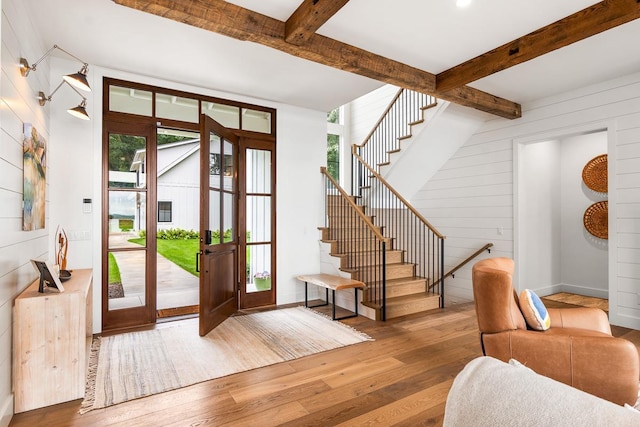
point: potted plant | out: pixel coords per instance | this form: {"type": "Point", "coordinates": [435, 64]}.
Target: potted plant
{"type": "Point", "coordinates": [262, 281]}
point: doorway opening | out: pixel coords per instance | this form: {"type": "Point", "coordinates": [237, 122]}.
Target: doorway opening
{"type": "Point", "coordinates": [177, 222]}
{"type": "Point", "coordinates": [154, 177]}
{"type": "Point", "coordinates": [556, 252]}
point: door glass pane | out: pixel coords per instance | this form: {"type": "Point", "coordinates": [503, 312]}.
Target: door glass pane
{"type": "Point", "coordinates": [258, 268]}
{"type": "Point", "coordinates": [127, 219]}
{"type": "Point", "coordinates": [126, 279]}
{"type": "Point", "coordinates": [214, 217]}
{"type": "Point", "coordinates": [215, 163]}
{"type": "Point", "coordinates": [132, 101]}
{"type": "Point", "coordinates": [127, 161]}
{"type": "Point", "coordinates": [258, 171]}
{"type": "Point", "coordinates": [259, 218]}
{"type": "Point", "coordinates": [256, 121]}
{"type": "Point", "coordinates": [227, 115]}
{"type": "Point", "coordinates": [176, 108]}
{"type": "Point", "coordinates": [228, 220]}
{"type": "Point", "coordinates": [228, 166]}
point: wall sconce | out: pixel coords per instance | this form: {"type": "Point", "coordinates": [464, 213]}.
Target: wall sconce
{"type": "Point", "coordinates": [80, 111]}
{"type": "Point", "coordinates": [78, 79]}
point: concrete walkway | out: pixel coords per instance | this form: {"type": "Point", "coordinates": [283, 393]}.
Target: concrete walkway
{"type": "Point", "coordinates": [175, 286]}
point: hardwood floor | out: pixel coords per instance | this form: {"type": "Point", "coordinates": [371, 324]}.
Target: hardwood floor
{"type": "Point", "coordinates": [402, 378]}
{"type": "Point", "coordinates": [579, 300]}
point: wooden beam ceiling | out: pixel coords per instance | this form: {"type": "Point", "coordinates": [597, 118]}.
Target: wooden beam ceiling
{"type": "Point", "coordinates": [243, 24]}
{"type": "Point", "coordinates": [581, 25]}
{"type": "Point", "coordinates": [308, 18]}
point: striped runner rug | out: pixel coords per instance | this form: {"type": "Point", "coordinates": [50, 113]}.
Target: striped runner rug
{"type": "Point", "coordinates": [137, 364]}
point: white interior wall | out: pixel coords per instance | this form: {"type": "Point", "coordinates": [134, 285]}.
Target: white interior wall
{"type": "Point", "coordinates": [471, 199]}
{"type": "Point", "coordinates": [539, 217]}
{"type": "Point", "coordinates": [583, 257]}
{"type": "Point", "coordinates": [366, 110]}
{"type": "Point", "coordinates": [17, 247]}
{"type": "Point", "coordinates": [561, 256]}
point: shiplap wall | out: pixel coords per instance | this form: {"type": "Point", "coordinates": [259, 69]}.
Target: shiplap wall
{"type": "Point", "coordinates": [366, 110]}
{"type": "Point", "coordinates": [467, 200]}
{"type": "Point", "coordinates": [473, 194]}
{"type": "Point", "coordinates": [624, 267]}
{"type": "Point", "coordinates": [18, 105]}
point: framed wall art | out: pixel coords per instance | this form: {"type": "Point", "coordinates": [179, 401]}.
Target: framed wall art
{"type": "Point", "coordinates": [34, 157]}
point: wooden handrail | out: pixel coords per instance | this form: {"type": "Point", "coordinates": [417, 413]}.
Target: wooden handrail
{"type": "Point", "coordinates": [463, 263]}
{"type": "Point", "coordinates": [382, 117]}
{"type": "Point", "coordinates": [393, 190]}
{"type": "Point", "coordinates": [364, 218]}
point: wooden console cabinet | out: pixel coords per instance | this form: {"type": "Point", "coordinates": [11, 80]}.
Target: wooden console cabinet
{"type": "Point", "coordinates": [51, 339]}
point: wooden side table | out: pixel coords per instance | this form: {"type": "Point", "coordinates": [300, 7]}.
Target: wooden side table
{"type": "Point", "coordinates": [52, 335]}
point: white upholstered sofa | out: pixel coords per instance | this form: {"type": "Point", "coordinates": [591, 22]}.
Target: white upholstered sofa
{"type": "Point", "coordinates": [489, 392]}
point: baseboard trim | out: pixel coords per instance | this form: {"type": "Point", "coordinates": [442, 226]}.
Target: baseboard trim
{"type": "Point", "coordinates": [6, 411]}
{"type": "Point", "coordinates": [548, 290]}
{"type": "Point", "coordinates": [583, 290]}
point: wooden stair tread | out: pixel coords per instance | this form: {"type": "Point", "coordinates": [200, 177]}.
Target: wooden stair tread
{"type": "Point", "coordinates": [408, 298]}
{"type": "Point", "coordinates": [363, 252]}
{"type": "Point", "coordinates": [406, 280]}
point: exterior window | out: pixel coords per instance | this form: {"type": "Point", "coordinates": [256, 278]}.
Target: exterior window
{"type": "Point", "coordinates": [164, 211]}
{"type": "Point", "coordinates": [334, 134]}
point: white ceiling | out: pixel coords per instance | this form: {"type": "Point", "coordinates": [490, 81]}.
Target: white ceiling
{"type": "Point", "coordinates": [431, 35]}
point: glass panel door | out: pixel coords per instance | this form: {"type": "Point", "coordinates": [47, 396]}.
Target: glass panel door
{"type": "Point", "coordinates": [127, 267]}
{"type": "Point", "coordinates": [218, 225]}
{"type": "Point", "coordinates": [259, 222]}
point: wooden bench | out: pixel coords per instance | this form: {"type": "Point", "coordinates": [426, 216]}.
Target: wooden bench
{"type": "Point", "coordinates": [335, 283]}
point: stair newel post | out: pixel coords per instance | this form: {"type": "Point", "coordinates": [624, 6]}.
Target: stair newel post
{"type": "Point", "coordinates": [355, 167]}
{"type": "Point", "coordinates": [441, 273]}
{"type": "Point", "coordinates": [384, 280]}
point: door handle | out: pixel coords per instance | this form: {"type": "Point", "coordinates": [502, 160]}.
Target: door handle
{"type": "Point", "coordinates": [198, 261]}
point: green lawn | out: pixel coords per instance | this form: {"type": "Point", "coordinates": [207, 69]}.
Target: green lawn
{"type": "Point", "coordinates": [114, 271]}
{"type": "Point", "coordinates": [180, 252]}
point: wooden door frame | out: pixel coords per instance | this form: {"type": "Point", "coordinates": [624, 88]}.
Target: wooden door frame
{"type": "Point", "coordinates": [134, 316]}
{"type": "Point", "coordinates": [262, 298]}
{"type": "Point", "coordinates": [110, 117]}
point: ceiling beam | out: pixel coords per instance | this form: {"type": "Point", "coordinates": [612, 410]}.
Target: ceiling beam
{"type": "Point", "coordinates": [234, 21]}
{"type": "Point", "coordinates": [308, 18]}
{"type": "Point", "coordinates": [588, 22]}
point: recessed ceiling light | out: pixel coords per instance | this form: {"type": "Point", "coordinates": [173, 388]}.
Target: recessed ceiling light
{"type": "Point", "coordinates": [463, 3]}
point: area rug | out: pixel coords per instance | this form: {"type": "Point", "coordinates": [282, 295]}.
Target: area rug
{"type": "Point", "coordinates": [137, 364]}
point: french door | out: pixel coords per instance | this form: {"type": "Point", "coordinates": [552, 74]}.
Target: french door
{"type": "Point", "coordinates": [236, 188]}
{"type": "Point", "coordinates": [258, 223]}
{"type": "Point", "coordinates": [128, 291]}
{"type": "Point", "coordinates": [218, 224]}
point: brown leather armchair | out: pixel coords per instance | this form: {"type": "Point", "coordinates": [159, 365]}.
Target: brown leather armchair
{"type": "Point", "coordinates": [577, 349]}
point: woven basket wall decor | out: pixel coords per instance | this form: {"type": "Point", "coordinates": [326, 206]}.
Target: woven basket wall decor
{"type": "Point", "coordinates": [596, 219]}
{"type": "Point", "coordinates": [594, 174]}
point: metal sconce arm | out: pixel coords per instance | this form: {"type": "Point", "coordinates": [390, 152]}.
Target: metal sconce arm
{"type": "Point", "coordinates": [25, 69]}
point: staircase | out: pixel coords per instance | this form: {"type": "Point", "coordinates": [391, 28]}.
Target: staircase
{"type": "Point", "coordinates": [375, 234]}
{"type": "Point", "coordinates": [356, 250]}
